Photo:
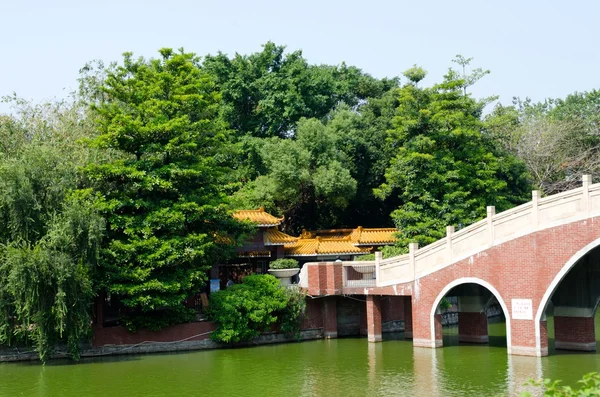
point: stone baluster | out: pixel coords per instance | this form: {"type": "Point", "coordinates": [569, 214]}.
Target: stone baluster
{"type": "Point", "coordinates": [378, 258]}
{"type": "Point", "coordinates": [535, 199]}
{"type": "Point", "coordinates": [586, 182]}
{"type": "Point", "coordinates": [491, 211]}
{"type": "Point", "coordinates": [449, 233]}
{"type": "Point", "coordinates": [412, 249]}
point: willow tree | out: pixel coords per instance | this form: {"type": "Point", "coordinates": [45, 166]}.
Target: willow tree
{"type": "Point", "coordinates": [166, 217]}
{"type": "Point", "coordinates": [50, 233]}
{"type": "Point", "coordinates": [445, 171]}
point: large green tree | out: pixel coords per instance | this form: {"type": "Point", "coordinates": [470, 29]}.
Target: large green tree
{"type": "Point", "coordinates": [265, 94]}
{"type": "Point", "coordinates": [445, 171]}
{"type": "Point", "coordinates": [166, 216]}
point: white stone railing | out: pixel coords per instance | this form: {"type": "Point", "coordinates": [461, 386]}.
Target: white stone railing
{"type": "Point", "coordinates": [359, 274]}
{"type": "Point", "coordinates": [540, 213]}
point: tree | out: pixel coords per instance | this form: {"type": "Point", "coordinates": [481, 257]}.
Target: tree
{"type": "Point", "coordinates": [361, 143]}
{"type": "Point", "coordinates": [557, 139]}
{"type": "Point", "coordinates": [306, 179]}
{"type": "Point", "coordinates": [50, 238]}
{"type": "Point", "coordinates": [445, 171]}
{"type": "Point", "coordinates": [167, 218]}
{"type": "Point", "coordinates": [265, 94]}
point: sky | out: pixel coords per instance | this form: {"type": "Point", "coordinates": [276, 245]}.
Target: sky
{"type": "Point", "coordinates": [533, 48]}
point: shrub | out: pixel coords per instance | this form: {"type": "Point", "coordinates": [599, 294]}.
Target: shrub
{"type": "Point", "coordinates": [243, 311]}
{"type": "Point", "coordinates": [284, 263]}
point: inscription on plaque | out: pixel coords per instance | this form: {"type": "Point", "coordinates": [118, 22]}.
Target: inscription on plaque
{"type": "Point", "coordinates": [522, 309]}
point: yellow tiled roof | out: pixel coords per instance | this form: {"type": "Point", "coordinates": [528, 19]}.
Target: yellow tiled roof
{"type": "Point", "coordinates": [272, 236]}
{"type": "Point", "coordinates": [358, 236]}
{"type": "Point", "coordinates": [323, 246]}
{"type": "Point", "coordinates": [376, 236]}
{"type": "Point", "coordinates": [258, 216]}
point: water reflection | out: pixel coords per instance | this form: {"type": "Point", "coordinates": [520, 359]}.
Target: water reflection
{"type": "Point", "coordinates": [520, 370]}
{"type": "Point", "coordinates": [426, 372]}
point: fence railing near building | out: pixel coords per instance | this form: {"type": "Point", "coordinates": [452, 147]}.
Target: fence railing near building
{"type": "Point", "coordinates": [359, 274]}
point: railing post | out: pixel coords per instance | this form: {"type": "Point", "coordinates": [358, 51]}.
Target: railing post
{"type": "Point", "coordinates": [412, 249]}
{"type": "Point", "coordinates": [535, 198]}
{"type": "Point", "coordinates": [449, 233]}
{"type": "Point", "coordinates": [491, 211]}
{"type": "Point", "coordinates": [344, 275]}
{"type": "Point", "coordinates": [378, 258]}
{"type": "Point", "coordinates": [587, 181]}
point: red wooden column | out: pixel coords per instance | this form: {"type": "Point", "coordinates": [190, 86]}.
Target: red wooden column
{"type": "Point", "coordinates": [374, 318]}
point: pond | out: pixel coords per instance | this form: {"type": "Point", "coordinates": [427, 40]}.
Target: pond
{"type": "Point", "coordinates": [338, 367]}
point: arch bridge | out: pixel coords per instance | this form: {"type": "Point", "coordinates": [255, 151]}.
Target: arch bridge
{"type": "Point", "coordinates": [538, 257]}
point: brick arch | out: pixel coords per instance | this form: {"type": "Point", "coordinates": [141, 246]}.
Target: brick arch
{"type": "Point", "coordinates": [523, 268]}
{"type": "Point", "coordinates": [483, 283]}
{"type": "Point", "coordinates": [560, 275]}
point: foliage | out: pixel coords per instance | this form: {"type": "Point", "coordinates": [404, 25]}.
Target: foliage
{"type": "Point", "coordinates": [589, 386]}
{"type": "Point", "coordinates": [557, 139]}
{"type": "Point", "coordinates": [243, 311]}
{"type": "Point", "coordinates": [361, 143]}
{"type": "Point", "coordinates": [292, 316]}
{"type": "Point", "coordinates": [167, 220]}
{"type": "Point", "coordinates": [50, 240]}
{"type": "Point", "coordinates": [266, 93]}
{"type": "Point", "coordinates": [444, 304]}
{"type": "Point", "coordinates": [272, 94]}
{"type": "Point", "coordinates": [306, 178]}
{"type": "Point", "coordinates": [284, 263]}
{"type": "Point", "coordinates": [445, 171]}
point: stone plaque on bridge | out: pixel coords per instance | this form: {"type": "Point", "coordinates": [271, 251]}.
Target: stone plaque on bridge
{"type": "Point", "coordinates": [522, 309]}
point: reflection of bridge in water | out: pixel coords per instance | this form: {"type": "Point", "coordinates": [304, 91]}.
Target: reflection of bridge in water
{"type": "Point", "coordinates": [538, 257]}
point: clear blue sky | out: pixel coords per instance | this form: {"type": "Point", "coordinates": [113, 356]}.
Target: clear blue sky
{"type": "Point", "coordinates": [533, 48]}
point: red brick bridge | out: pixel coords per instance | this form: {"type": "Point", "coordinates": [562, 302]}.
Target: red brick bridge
{"type": "Point", "coordinates": [542, 257]}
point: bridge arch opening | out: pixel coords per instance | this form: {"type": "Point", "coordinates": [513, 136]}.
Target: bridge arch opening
{"type": "Point", "coordinates": [565, 319]}
{"type": "Point", "coordinates": [477, 301]}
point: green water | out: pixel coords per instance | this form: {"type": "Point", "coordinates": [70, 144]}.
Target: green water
{"type": "Point", "coordinates": [342, 367]}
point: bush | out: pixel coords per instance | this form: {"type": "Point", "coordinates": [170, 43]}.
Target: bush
{"type": "Point", "coordinates": [243, 311]}
{"type": "Point", "coordinates": [282, 263]}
